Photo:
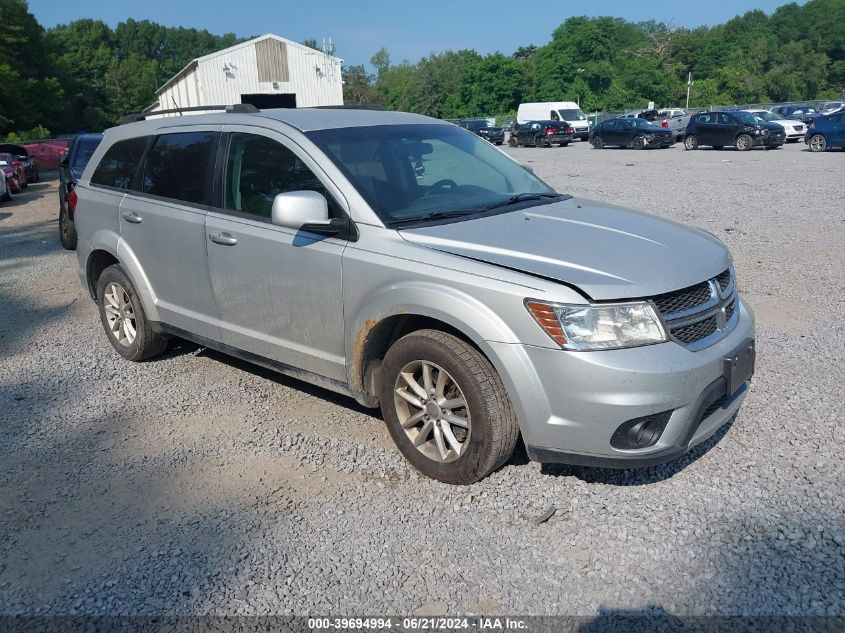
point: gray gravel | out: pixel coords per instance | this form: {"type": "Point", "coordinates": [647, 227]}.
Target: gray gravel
{"type": "Point", "coordinates": [198, 484]}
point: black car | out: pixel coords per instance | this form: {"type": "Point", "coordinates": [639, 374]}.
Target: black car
{"type": "Point", "coordinates": [482, 127]}
{"type": "Point", "coordinates": [70, 169]}
{"type": "Point", "coordinates": [21, 153]}
{"type": "Point", "coordinates": [636, 133]}
{"type": "Point", "coordinates": [739, 129]}
{"type": "Point", "coordinates": [541, 134]}
{"type": "Point", "coordinates": [797, 111]}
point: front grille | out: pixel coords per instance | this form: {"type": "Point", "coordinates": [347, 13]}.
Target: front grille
{"type": "Point", "coordinates": [684, 299]}
{"type": "Point", "coordinates": [696, 331]}
{"type": "Point", "coordinates": [724, 280]}
{"type": "Point", "coordinates": [729, 310]}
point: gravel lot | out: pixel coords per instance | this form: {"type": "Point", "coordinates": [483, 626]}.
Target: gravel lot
{"type": "Point", "coordinates": [198, 484]}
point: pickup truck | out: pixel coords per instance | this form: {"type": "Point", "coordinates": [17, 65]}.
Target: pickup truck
{"type": "Point", "coordinates": [676, 124]}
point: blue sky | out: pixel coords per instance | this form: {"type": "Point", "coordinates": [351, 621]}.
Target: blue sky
{"type": "Point", "coordinates": [409, 29]}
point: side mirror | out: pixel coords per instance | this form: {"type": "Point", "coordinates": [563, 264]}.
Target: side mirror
{"type": "Point", "coordinates": [304, 211]}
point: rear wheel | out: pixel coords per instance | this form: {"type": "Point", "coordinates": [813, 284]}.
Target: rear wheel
{"type": "Point", "coordinates": [67, 228]}
{"type": "Point", "coordinates": [818, 143]}
{"type": "Point", "coordinates": [744, 142]}
{"type": "Point", "coordinates": [124, 319]}
{"type": "Point", "coordinates": [564, 144]}
{"type": "Point", "coordinates": [598, 142]}
{"type": "Point", "coordinates": [446, 408]}
{"type": "Point", "coordinates": [690, 142]}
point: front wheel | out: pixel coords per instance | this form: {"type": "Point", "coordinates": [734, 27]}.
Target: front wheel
{"type": "Point", "coordinates": [638, 142]}
{"type": "Point", "coordinates": [124, 319]}
{"type": "Point", "coordinates": [690, 142]}
{"type": "Point", "coordinates": [598, 142]}
{"type": "Point", "coordinates": [818, 143]}
{"type": "Point", "coordinates": [446, 407]}
{"type": "Point", "coordinates": [744, 142]}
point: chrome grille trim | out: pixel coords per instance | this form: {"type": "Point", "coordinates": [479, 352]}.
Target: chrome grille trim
{"type": "Point", "coordinates": [685, 325]}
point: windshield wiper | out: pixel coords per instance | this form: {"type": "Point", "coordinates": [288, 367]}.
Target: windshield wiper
{"type": "Point", "coordinates": [519, 197]}
{"type": "Point", "coordinates": [434, 215]}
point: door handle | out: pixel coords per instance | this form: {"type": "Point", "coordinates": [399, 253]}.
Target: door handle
{"type": "Point", "coordinates": [133, 218]}
{"type": "Point", "coordinates": [223, 238]}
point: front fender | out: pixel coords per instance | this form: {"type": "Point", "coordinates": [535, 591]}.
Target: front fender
{"type": "Point", "coordinates": [421, 298]}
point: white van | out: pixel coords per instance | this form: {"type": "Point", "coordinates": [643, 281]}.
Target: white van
{"type": "Point", "coordinates": [568, 111]}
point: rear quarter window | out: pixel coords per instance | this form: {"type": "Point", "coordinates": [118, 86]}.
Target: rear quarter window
{"type": "Point", "coordinates": [120, 163]}
{"type": "Point", "coordinates": [179, 166]}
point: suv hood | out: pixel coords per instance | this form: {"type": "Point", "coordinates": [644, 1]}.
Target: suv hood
{"type": "Point", "coordinates": [606, 251]}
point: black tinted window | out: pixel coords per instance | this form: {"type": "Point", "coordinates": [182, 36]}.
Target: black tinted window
{"type": "Point", "coordinates": [178, 166]}
{"type": "Point", "coordinates": [118, 167]}
{"type": "Point", "coordinates": [85, 148]}
{"type": "Point", "coordinates": [258, 169]}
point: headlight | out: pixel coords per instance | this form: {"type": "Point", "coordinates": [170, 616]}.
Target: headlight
{"type": "Point", "coordinates": [581, 328]}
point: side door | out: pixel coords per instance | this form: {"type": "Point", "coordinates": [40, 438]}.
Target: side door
{"type": "Point", "coordinates": [162, 226]}
{"type": "Point", "coordinates": [278, 290]}
{"type": "Point", "coordinates": [523, 133]}
{"type": "Point", "coordinates": [707, 129]}
{"type": "Point", "coordinates": [610, 131]}
{"type": "Point", "coordinates": [837, 129]}
{"type": "Point", "coordinates": [726, 129]}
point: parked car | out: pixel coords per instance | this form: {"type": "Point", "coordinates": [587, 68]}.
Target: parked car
{"type": "Point", "coordinates": [671, 113]}
{"type": "Point", "coordinates": [564, 111]}
{"type": "Point", "coordinates": [793, 129]}
{"type": "Point", "coordinates": [801, 111]}
{"type": "Point", "coordinates": [482, 127]}
{"type": "Point", "coordinates": [827, 131]}
{"type": "Point", "coordinates": [635, 133]}
{"type": "Point", "coordinates": [5, 191]}
{"type": "Point", "coordinates": [13, 166]}
{"type": "Point", "coordinates": [71, 167]}
{"type": "Point", "coordinates": [541, 134]}
{"type": "Point", "coordinates": [21, 154]}
{"type": "Point", "coordinates": [473, 305]}
{"type": "Point", "coordinates": [736, 128]}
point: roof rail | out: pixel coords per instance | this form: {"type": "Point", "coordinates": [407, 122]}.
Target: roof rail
{"type": "Point", "coordinates": [237, 108]}
{"type": "Point", "coordinates": [358, 106]}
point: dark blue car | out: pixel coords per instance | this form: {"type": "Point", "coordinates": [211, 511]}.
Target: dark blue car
{"type": "Point", "coordinates": [827, 131]}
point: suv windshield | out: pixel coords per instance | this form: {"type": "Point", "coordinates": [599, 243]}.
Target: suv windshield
{"type": "Point", "coordinates": [571, 115]}
{"type": "Point", "coordinates": [410, 172]}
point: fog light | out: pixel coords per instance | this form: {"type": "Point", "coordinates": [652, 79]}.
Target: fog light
{"type": "Point", "coordinates": [640, 432]}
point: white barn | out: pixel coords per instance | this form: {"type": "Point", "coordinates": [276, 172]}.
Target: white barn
{"type": "Point", "coordinates": [268, 72]}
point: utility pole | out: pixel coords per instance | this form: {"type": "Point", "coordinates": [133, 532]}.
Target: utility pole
{"type": "Point", "coordinates": [690, 82]}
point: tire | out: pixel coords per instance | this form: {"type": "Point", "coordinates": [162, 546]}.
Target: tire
{"type": "Point", "coordinates": [67, 228]}
{"type": "Point", "coordinates": [7, 196]}
{"type": "Point", "coordinates": [744, 143]}
{"type": "Point", "coordinates": [564, 144]}
{"type": "Point", "coordinates": [638, 142]}
{"type": "Point", "coordinates": [512, 141]}
{"type": "Point", "coordinates": [146, 342]}
{"type": "Point", "coordinates": [489, 437]}
{"type": "Point", "coordinates": [598, 142]}
{"type": "Point", "coordinates": [690, 142]}
{"type": "Point", "coordinates": [499, 142]}
{"type": "Point", "coordinates": [818, 143]}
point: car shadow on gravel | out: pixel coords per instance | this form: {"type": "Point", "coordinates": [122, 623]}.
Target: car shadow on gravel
{"type": "Point", "coordinates": [179, 347]}
{"type": "Point", "coordinates": [637, 476]}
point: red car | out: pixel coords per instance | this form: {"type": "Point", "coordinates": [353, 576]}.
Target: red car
{"type": "Point", "coordinates": [15, 173]}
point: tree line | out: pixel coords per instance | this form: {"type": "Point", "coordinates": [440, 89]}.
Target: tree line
{"type": "Point", "coordinates": [85, 75]}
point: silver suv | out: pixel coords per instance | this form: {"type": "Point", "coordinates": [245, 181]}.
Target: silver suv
{"type": "Point", "coordinates": [411, 265]}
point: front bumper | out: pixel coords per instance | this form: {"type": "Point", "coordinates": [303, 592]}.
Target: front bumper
{"type": "Point", "coordinates": [569, 404]}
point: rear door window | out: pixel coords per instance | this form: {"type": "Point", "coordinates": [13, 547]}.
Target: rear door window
{"type": "Point", "coordinates": [121, 161]}
{"type": "Point", "coordinates": [179, 166]}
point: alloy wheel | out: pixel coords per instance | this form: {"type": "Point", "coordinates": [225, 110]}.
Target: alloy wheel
{"type": "Point", "coordinates": [432, 411]}
{"type": "Point", "coordinates": [120, 315]}
{"type": "Point", "coordinates": [818, 143]}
